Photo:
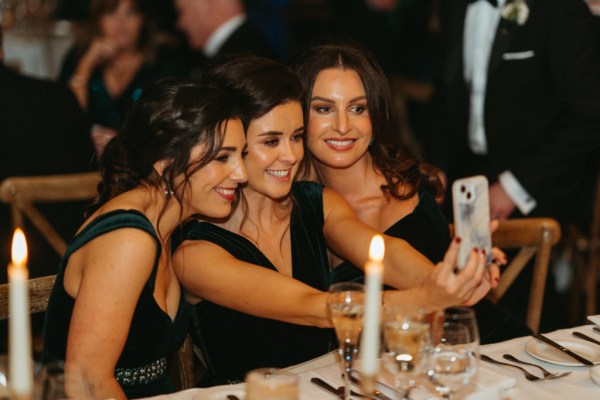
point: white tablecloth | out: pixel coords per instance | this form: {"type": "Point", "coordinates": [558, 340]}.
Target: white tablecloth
{"type": "Point", "coordinates": [492, 382]}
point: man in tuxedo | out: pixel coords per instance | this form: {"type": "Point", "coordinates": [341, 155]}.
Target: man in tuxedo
{"type": "Point", "coordinates": [520, 94]}
{"type": "Point", "coordinates": [220, 27]}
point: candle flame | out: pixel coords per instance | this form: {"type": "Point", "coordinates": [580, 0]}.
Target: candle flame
{"type": "Point", "coordinates": [377, 248]}
{"type": "Point", "coordinates": [19, 248]}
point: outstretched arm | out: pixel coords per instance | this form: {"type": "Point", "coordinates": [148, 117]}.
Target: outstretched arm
{"type": "Point", "coordinates": [209, 272]}
{"type": "Point", "coordinates": [349, 238]}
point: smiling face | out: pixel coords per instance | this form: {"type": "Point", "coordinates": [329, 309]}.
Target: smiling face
{"type": "Point", "coordinates": [123, 25]}
{"type": "Point", "coordinates": [339, 126]}
{"type": "Point", "coordinates": [213, 187]}
{"type": "Point", "coordinates": [275, 150]}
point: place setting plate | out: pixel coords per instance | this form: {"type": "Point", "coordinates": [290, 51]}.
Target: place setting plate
{"type": "Point", "coordinates": [546, 353]}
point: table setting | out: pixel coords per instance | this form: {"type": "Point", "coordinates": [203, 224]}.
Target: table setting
{"type": "Point", "coordinates": [401, 352]}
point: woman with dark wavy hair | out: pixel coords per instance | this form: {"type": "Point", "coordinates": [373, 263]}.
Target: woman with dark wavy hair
{"type": "Point", "coordinates": [116, 311]}
{"type": "Point", "coordinates": [352, 141]}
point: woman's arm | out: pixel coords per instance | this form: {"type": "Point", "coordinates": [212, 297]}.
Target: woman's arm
{"type": "Point", "coordinates": [99, 51]}
{"type": "Point", "coordinates": [209, 272]}
{"type": "Point", "coordinates": [115, 268]}
{"type": "Point", "coordinates": [350, 239]}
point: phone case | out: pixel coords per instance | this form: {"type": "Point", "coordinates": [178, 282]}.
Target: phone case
{"type": "Point", "coordinates": [471, 208]}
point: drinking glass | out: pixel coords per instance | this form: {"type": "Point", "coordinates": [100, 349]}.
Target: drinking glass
{"type": "Point", "coordinates": [466, 317]}
{"type": "Point", "coordinates": [346, 307]}
{"type": "Point", "coordinates": [452, 364]}
{"type": "Point", "coordinates": [271, 384]}
{"type": "Point", "coordinates": [406, 341]}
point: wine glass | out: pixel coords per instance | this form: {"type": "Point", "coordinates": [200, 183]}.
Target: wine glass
{"type": "Point", "coordinates": [346, 307]}
{"type": "Point", "coordinates": [452, 364]}
{"type": "Point", "coordinates": [406, 341]}
{"type": "Point", "coordinates": [54, 383]}
{"type": "Point", "coordinates": [466, 317]}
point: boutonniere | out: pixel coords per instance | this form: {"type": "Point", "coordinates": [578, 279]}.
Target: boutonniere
{"type": "Point", "coordinates": [516, 11]}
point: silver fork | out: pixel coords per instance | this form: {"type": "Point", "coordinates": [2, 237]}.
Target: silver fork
{"type": "Point", "coordinates": [547, 374]}
{"type": "Point", "coordinates": [528, 375]}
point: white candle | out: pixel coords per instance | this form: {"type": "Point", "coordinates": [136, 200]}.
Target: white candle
{"type": "Point", "coordinates": [20, 372]}
{"type": "Point", "coordinates": [372, 317]}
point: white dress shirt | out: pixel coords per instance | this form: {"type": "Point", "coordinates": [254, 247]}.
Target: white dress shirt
{"type": "Point", "coordinates": [221, 34]}
{"type": "Point", "coordinates": [481, 24]}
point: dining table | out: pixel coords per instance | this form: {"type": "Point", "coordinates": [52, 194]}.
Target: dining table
{"type": "Point", "coordinates": [490, 382]}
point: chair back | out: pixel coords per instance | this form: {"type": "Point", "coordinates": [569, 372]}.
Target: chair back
{"type": "Point", "coordinates": [23, 193]}
{"type": "Point", "coordinates": [39, 293]}
{"type": "Point", "coordinates": [532, 237]}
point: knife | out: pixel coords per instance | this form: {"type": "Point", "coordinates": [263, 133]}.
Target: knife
{"type": "Point", "coordinates": [324, 385]}
{"type": "Point", "coordinates": [586, 337]}
{"type": "Point", "coordinates": [596, 329]}
{"type": "Point", "coordinates": [568, 352]}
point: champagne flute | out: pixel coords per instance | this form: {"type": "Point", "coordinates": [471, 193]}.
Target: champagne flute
{"type": "Point", "coordinates": [346, 307]}
{"type": "Point", "coordinates": [452, 364]}
{"type": "Point", "coordinates": [406, 341]}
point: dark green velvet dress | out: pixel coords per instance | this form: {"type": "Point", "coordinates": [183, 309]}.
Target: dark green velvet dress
{"type": "Point", "coordinates": [233, 342]}
{"type": "Point", "coordinates": [152, 335]}
{"type": "Point", "coordinates": [426, 229]}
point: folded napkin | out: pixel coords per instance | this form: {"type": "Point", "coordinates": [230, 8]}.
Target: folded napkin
{"type": "Point", "coordinates": [489, 384]}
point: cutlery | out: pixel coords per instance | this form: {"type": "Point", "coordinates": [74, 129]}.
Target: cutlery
{"type": "Point", "coordinates": [596, 329]}
{"type": "Point", "coordinates": [547, 374]}
{"type": "Point", "coordinates": [568, 352]}
{"type": "Point", "coordinates": [327, 387]}
{"type": "Point", "coordinates": [528, 375]}
{"type": "Point", "coordinates": [585, 337]}
{"type": "Point", "coordinates": [232, 397]}
{"type": "Point", "coordinates": [377, 393]}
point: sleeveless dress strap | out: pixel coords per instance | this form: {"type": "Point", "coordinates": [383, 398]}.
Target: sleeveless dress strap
{"type": "Point", "coordinates": [111, 221]}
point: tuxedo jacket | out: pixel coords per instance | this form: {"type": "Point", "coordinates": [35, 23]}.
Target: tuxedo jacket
{"type": "Point", "coordinates": [542, 104]}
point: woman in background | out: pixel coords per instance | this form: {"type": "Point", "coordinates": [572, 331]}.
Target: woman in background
{"type": "Point", "coordinates": [116, 310]}
{"type": "Point", "coordinates": [350, 125]}
{"type": "Point", "coordinates": [122, 51]}
{"type": "Point", "coordinates": [258, 279]}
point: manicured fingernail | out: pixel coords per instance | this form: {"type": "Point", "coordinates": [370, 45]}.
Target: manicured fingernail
{"type": "Point", "coordinates": [475, 249]}
{"type": "Point", "coordinates": [457, 239]}
{"type": "Point", "coordinates": [456, 271]}
{"type": "Point", "coordinates": [496, 279]}
{"type": "Point", "coordinates": [483, 251]}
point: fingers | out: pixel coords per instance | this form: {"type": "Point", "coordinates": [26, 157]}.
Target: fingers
{"type": "Point", "coordinates": [494, 223]}
{"type": "Point", "coordinates": [448, 264]}
{"type": "Point", "coordinates": [498, 257]}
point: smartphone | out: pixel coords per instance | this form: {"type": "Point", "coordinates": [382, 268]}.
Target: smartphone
{"type": "Point", "coordinates": [471, 208]}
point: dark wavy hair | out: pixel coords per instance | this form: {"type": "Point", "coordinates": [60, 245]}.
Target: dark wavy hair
{"type": "Point", "coordinates": [403, 173]}
{"type": "Point", "coordinates": [170, 118]}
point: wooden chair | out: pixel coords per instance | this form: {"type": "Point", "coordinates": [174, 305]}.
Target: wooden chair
{"type": "Point", "coordinates": [23, 193]}
{"type": "Point", "coordinates": [533, 237]}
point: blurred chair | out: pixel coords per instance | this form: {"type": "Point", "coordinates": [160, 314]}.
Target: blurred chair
{"type": "Point", "coordinates": [533, 237]}
{"type": "Point", "coordinates": [23, 193]}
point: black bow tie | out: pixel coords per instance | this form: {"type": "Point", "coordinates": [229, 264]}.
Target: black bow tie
{"type": "Point", "coordinates": [492, 2]}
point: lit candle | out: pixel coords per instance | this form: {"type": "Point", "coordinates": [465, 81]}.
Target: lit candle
{"type": "Point", "coordinates": [372, 317]}
{"type": "Point", "coordinates": [19, 351]}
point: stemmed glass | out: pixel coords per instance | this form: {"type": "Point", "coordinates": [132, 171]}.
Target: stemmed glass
{"type": "Point", "coordinates": [346, 307]}
{"type": "Point", "coordinates": [455, 351]}
{"type": "Point", "coordinates": [406, 342]}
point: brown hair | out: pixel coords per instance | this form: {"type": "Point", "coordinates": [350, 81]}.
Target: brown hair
{"type": "Point", "coordinates": [403, 173]}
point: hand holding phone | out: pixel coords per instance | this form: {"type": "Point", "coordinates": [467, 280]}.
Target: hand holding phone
{"type": "Point", "coordinates": [471, 207]}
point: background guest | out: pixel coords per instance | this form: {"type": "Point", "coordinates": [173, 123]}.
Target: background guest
{"type": "Point", "coordinates": [122, 51]}
{"type": "Point", "coordinates": [518, 102]}
{"type": "Point", "coordinates": [220, 27]}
